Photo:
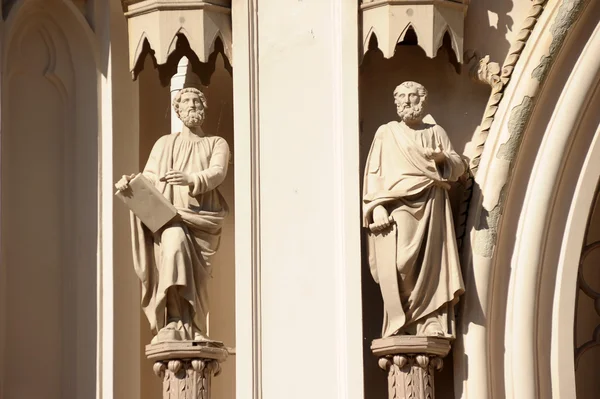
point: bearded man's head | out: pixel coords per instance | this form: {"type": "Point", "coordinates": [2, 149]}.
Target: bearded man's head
{"type": "Point", "coordinates": [410, 99]}
{"type": "Point", "coordinates": [190, 104]}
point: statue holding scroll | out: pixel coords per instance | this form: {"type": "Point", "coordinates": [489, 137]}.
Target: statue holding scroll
{"type": "Point", "coordinates": [173, 262]}
{"type": "Point", "coordinates": [413, 254]}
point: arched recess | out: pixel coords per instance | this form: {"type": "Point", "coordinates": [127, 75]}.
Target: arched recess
{"type": "Point", "coordinates": [530, 169]}
{"type": "Point", "coordinates": [515, 228]}
{"type": "Point", "coordinates": [49, 203]}
{"type": "Point", "coordinates": [541, 301]}
{"type": "Point", "coordinates": [564, 303]}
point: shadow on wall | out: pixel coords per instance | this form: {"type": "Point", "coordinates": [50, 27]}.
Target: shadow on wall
{"type": "Point", "coordinates": [457, 104]}
{"type": "Point", "coordinates": [487, 24]}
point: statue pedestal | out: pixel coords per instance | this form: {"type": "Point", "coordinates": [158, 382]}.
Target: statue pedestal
{"type": "Point", "coordinates": [411, 362]}
{"type": "Point", "coordinates": [186, 367]}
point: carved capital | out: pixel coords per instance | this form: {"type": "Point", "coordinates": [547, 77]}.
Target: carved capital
{"type": "Point", "coordinates": [411, 376]}
{"type": "Point", "coordinates": [411, 362]}
{"type": "Point", "coordinates": [187, 379]}
{"type": "Point", "coordinates": [187, 367]}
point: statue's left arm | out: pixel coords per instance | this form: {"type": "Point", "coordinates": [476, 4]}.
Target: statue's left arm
{"type": "Point", "coordinates": [454, 166]}
{"type": "Point", "coordinates": [213, 176]}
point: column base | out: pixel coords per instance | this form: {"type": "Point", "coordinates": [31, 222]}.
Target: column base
{"type": "Point", "coordinates": [411, 362]}
{"type": "Point", "coordinates": [186, 367]}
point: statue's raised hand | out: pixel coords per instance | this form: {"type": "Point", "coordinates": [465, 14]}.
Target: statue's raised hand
{"type": "Point", "coordinates": [177, 178]}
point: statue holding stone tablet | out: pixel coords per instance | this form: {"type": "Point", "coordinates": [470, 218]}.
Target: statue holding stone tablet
{"type": "Point", "coordinates": [176, 220]}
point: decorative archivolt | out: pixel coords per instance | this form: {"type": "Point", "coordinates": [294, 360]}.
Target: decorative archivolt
{"type": "Point", "coordinates": [161, 23]}
{"type": "Point", "coordinates": [390, 20]}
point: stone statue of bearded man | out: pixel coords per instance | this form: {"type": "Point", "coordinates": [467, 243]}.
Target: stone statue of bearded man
{"type": "Point", "coordinates": [173, 264]}
{"type": "Point", "coordinates": [413, 254]}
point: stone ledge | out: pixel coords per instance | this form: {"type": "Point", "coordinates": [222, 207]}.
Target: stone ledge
{"type": "Point", "coordinates": [181, 350]}
{"type": "Point", "coordinates": [411, 345]}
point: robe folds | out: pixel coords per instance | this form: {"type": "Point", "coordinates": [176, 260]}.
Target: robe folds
{"type": "Point", "coordinates": [179, 254]}
{"type": "Point", "coordinates": [416, 261]}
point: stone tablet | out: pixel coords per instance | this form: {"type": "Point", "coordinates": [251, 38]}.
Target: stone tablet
{"type": "Point", "coordinates": [147, 203]}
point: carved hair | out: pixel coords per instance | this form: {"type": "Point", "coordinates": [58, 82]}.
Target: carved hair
{"type": "Point", "coordinates": [177, 98]}
{"type": "Point", "coordinates": [420, 89]}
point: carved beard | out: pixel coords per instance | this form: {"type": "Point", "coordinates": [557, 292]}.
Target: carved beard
{"type": "Point", "coordinates": [192, 118]}
{"type": "Point", "coordinates": [411, 114]}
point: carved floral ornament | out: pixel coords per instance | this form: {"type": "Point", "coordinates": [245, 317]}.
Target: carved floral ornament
{"type": "Point", "coordinates": [162, 22]}
{"type": "Point", "coordinates": [390, 20]}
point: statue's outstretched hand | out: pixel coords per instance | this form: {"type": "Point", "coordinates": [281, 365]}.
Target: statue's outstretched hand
{"type": "Point", "coordinates": [123, 183]}
{"type": "Point", "coordinates": [381, 219]}
{"type": "Point", "coordinates": [177, 178]}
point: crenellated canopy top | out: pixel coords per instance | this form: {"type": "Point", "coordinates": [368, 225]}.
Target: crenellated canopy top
{"type": "Point", "coordinates": [390, 20]}
{"type": "Point", "coordinates": [160, 24]}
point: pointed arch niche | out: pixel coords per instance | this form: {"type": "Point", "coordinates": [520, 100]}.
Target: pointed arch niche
{"type": "Point", "coordinates": [457, 103]}
{"type": "Point", "coordinates": [215, 80]}
{"type": "Point", "coordinates": [49, 203]}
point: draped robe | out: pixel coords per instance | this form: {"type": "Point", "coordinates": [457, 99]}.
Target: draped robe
{"type": "Point", "coordinates": [178, 256]}
{"type": "Point", "coordinates": [415, 262]}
